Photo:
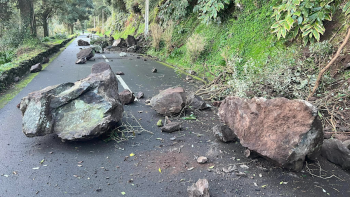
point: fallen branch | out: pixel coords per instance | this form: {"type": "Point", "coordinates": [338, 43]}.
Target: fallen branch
{"type": "Point", "coordinates": [317, 83]}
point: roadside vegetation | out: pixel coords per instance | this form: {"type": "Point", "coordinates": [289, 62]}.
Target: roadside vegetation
{"type": "Point", "coordinates": [246, 48]}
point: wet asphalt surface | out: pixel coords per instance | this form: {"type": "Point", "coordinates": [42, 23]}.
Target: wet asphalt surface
{"type": "Point", "coordinates": [161, 166]}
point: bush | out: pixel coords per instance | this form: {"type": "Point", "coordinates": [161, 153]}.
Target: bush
{"type": "Point", "coordinates": [168, 34]}
{"type": "Point", "coordinates": [156, 32]}
{"type": "Point", "coordinates": [174, 10]}
{"type": "Point", "coordinates": [306, 16]}
{"type": "Point", "coordinates": [7, 56]}
{"type": "Point", "coordinates": [195, 45]}
{"type": "Point", "coordinates": [45, 39]}
{"type": "Point", "coordinates": [209, 9]}
{"type": "Point", "coordinates": [61, 36]}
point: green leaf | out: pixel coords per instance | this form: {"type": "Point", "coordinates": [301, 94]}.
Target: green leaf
{"type": "Point", "coordinates": [290, 21]}
{"type": "Point", "coordinates": [300, 20]}
{"type": "Point", "coordinates": [316, 34]}
{"type": "Point", "coordinates": [123, 193]}
{"type": "Point", "coordinates": [276, 25]}
{"type": "Point", "coordinates": [298, 13]}
{"type": "Point", "coordinates": [283, 32]}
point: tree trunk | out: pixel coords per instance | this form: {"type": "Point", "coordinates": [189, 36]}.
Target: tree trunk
{"type": "Point", "coordinates": [45, 27]}
{"type": "Point", "coordinates": [26, 8]}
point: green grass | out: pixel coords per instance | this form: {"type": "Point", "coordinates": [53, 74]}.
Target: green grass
{"type": "Point", "coordinates": [12, 92]}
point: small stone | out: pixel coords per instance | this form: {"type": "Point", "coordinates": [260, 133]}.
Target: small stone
{"type": "Point", "coordinates": [147, 101]}
{"type": "Point", "coordinates": [122, 54]}
{"type": "Point", "coordinates": [189, 78]}
{"type": "Point", "coordinates": [173, 138]}
{"type": "Point", "coordinates": [346, 143]}
{"type": "Point", "coordinates": [140, 95]}
{"type": "Point", "coordinates": [126, 97]}
{"type": "Point", "coordinates": [229, 169]}
{"type": "Point", "coordinates": [16, 79]}
{"type": "Point", "coordinates": [312, 99]}
{"type": "Point", "coordinates": [36, 68]}
{"type": "Point", "coordinates": [224, 133]}
{"type": "Point", "coordinates": [119, 73]}
{"type": "Point", "coordinates": [45, 60]}
{"type": "Point", "coordinates": [199, 189]}
{"type": "Point", "coordinates": [154, 70]}
{"type": "Point", "coordinates": [241, 174]}
{"type": "Point", "coordinates": [171, 127]}
{"type": "Point", "coordinates": [216, 103]}
{"type": "Point", "coordinates": [191, 72]}
{"type": "Point", "coordinates": [202, 160]}
{"type": "Point", "coordinates": [144, 59]}
{"type": "Point", "coordinates": [244, 167]}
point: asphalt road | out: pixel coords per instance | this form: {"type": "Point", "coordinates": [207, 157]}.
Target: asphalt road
{"type": "Point", "coordinates": [45, 166]}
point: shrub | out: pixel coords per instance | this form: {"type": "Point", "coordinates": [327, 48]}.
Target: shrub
{"type": "Point", "coordinates": [6, 56]}
{"type": "Point", "coordinates": [60, 36]}
{"type": "Point", "coordinates": [45, 39]}
{"type": "Point", "coordinates": [156, 32]}
{"type": "Point", "coordinates": [174, 10]}
{"type": "Point", "coordinates": [209, 9]}
{"type": "Point", "coordinates": [306, 16]}
{"type": "Point", "coordinates": [195, 45]}
{"type": "Point", "coordinates": [168, 34]}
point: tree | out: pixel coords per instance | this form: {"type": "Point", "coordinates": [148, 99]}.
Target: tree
{"type": "Point", "coordinates": [74, 11]}
{"type": "Point", "coordinates": [46, 9]}
{"type": "Point", "coordinates": [26, 8]}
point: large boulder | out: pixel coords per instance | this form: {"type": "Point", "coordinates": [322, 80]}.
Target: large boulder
{"type": "Point", "coordinates": [74, 111]}
{"type": "Point", "coordinates": [119, 43]}
{"type": "Point", "coordinates": [286, 131]}
{"type": "Point", "coordinates": [86, 54]}
{"type": "Point", "coordinates": [83, 43]}
{"type": "Point", "coordinates": [336, 152]}
{"type": "Point", "coordinates": [131, 41]}
{"type": "Point", "coordinates": [170, 101]}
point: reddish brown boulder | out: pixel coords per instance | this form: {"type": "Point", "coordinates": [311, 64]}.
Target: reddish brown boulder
{"type": "Point", "coordinates": [83, 43]}
{"type": "Point", "coordinates": [126, 97]}
{"type": "Point", "coordinates": [170, 101]}
{"type": "Point", "coordinates": [286, 131]}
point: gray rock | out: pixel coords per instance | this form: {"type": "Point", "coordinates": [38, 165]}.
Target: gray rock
{"type": "Point", "coordinates": [87, 53]}
{"type": "Point", "coordinates": [131, 41]}
{"type": "Point", "coordinates": [119, 43]}
{"type": "Point", "coordinates": [36, 68]}
{"type": "Point", "coordinates": [81, 61]}
{"type": "Point", "coordinates": [202, 160]}
{"type": "Point", "coordinates": [74, 111]}
{"type": "Point", "coordinates": [191, 72]}
{"type": "Point", "coordinates": [224, 133]}
{"type": "Point", "coordinates": [195, 102]}
{"type": "Point", "coordinates": [336, 152]}
{"type": "Point", "coordinates": [347, 144]}
{"type": "Point", "coordinates": [45, 60]}
{"type": "Point", "coordinates": [170, 101]}
{"type": "Point", "coordinates": [154, 70]}
{"type": "Point", "coordinates": [16, 79]}
{"type": "Point", "coordinates": [122, 54]}
{"type": "Point", "coordinates": [189, 78]}
{"type": "Point", "coordinates": [199, 189]}
{"type": "Point", "coordinates": [126, 97]}
{"type": "Point", "coordinates": [119, 73]}
{"type": "Point", "coordinates": [140, 95]}
{"type": "Point", "coordinates": [131, 49]}
{"type": "Point", "coordinates": [286, 131]}
{"type": "Point", "coordinates": [83, 43]}
{"type": "Point", "coordinates": [171, 127]}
